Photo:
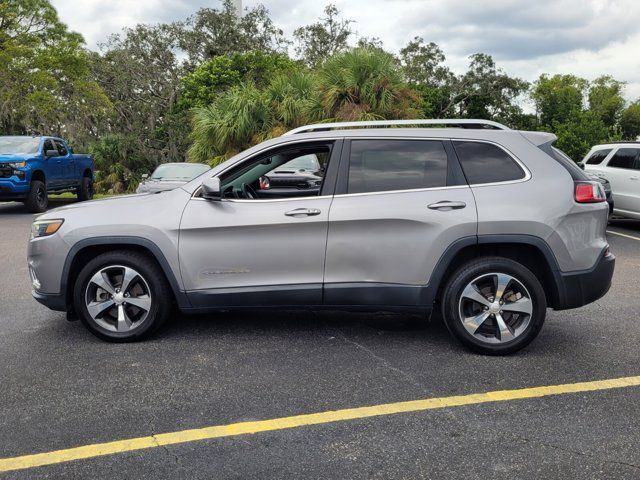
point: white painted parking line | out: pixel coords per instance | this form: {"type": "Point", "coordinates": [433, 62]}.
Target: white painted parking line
{"type": "Point", "coordinates": [624, 235]}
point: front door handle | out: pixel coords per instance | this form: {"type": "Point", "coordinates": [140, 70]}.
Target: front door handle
{"type": "Point", "coordinates": [633, 178]}
{"type": "Point", "coordinates": [303, 212]}
{"type": "Point", "coordinates": [447, 205]}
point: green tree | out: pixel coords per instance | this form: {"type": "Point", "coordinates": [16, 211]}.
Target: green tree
{"type": "Point", "coordinates": [606, 99]}
{"type": "Point", "coordinates": [580, 132]}
{"type": "Point", "coordinates": [235, 121]}
{"type": "Point", "coordinates": [140, 72]}
{"type": "Point", "coordinates": [365, 84]}
{"type": "Point", "coordinates": [45, 80]}
{"type": "Point", "coordinates": [486, 91]}
{"type": "Point", "coordinates": [212, 32]}
{"type": "Point", "coordinates": [244, 115]}
{"type": "Point", "coordinates": [424, 64]}
{"type": "Point", "coordinates": [200, 87]}
{"type": "Point", "coordinates": [630, 121]}
{"type": "Point", "coordinates": [558, 98]}
{"type": "Point", "coordinates": [118, 163]}
{"type": "Point", "coordinates": [319, 41]}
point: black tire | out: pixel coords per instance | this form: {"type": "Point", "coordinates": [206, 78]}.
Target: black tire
{"type": "Point", "coordinates": [85, 191]}
{"type": "Point", "coordinates": [465, 275]}
{"type": "Point", "coordinates": [160, 293]}
{"type": "Point", "coordinates": [37, 199]}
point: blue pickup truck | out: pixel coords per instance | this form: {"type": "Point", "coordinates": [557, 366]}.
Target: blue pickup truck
{"type": "Point", "coordinates": [33, 167]}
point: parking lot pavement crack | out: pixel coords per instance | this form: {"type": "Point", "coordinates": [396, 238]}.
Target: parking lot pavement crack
{"type": "Point", "coordinates": [175, 457]}
{"type": "Point", "coordinates": [604, 461]}
{"type": "Point", "coordinates": [380, 359]}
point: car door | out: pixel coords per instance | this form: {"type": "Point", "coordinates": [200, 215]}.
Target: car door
{"type": "Point", "coordinates": [67, 164]}
{"type": "Point", "coordinates": [635, 187]}
{"type": "Point", "coordinates": [399, 204]}
{"type": "Point", "coordinates": [624, 178]}
{"type": "Point", "coordinates": [258, 251]}
{"type": "Point", "coordinates": [55, 167]}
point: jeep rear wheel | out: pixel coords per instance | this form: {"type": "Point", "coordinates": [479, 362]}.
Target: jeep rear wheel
{"type": "Point", "coordinates": [494, 305]}
{"type": "Point", "coordinates": [37, 199]}
{"type": "Point", "coordinates": [122, 296]}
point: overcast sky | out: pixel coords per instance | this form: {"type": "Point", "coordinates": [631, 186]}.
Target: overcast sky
{"type": "Point", "coordinates": [526, 37]}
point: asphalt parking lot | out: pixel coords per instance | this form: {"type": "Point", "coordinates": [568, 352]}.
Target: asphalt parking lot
{"type": "Point", "coordinates": [63, 388]}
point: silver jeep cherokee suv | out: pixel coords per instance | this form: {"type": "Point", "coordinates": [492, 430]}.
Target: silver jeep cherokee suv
{"type": "Point", "coordinates": [488, 224]}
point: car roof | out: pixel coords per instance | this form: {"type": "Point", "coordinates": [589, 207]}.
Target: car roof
{"type": "Point", "coordinates": [602, 146]}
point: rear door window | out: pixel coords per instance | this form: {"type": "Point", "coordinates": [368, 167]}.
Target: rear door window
{"type": "Point", "coordinates": [486, 163]}
{"type": "Point", "coordinates": [624, 158]}
{"type": "Point", "coordinates": [598, 156]}
{"type": "Point", "coordinates": [387, 165]}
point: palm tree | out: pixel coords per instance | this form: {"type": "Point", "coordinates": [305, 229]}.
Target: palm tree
{"type": "Point", "coordinates": [236, 120]}
{"type": "Point", "coordinates": [294, 99]}
{"type": "Point", "coordinates": [365, 84]}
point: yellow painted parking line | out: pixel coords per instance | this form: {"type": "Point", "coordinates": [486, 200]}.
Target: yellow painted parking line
{"type": "Point", "coordinates": [624, 235]}
{"type": "Point", "coordinates": [243, 428]}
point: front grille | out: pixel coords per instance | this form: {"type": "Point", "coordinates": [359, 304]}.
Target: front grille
{"type": "Point", "coordinates": [5, 170]}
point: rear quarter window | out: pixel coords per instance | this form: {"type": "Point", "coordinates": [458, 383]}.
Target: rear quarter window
{"type": "Point", "coordinates": [486, 163]}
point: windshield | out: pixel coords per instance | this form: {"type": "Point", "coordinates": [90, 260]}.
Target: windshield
{"type": "Point", "coordinates": [19, 145]}
{"type": "Point", "coordinates": [181, 171]}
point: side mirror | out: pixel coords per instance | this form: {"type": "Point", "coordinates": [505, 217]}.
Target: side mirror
{"type": "Point", "coordinates": [145, 176]}
{"type": "Point", "coordinates": [581, 165]}
{"type": "Point", "coordinates": [211, 189]}
{"type": "Point", "coordinates": [51, 153]}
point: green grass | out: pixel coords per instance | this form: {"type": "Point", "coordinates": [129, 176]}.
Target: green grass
{"type": "Point", "coordinates": [72, 196]}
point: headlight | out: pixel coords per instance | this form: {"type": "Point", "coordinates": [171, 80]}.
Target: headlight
{"type": "Point", "coordinates": [18, 164]}
{"type": "Point", "coordinates": [44, 228]}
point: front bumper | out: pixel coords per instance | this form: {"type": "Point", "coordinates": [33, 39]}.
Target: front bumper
{"type": "Point", "coordinates": [13, 188]}
{"type": "Point", "coordinates": [54, 301]}
{"type": "Point", "coordinates": [580, 288]}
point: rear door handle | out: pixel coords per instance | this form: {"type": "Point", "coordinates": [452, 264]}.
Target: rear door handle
{"type": "Point", "coordinates": [633, 178]}
{"type": "Point", "coordinates": [447, 205]}
{"type": "Point", "coordinates": [303, 212]}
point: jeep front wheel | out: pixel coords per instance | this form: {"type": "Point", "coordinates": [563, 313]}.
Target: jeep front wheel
{"type": "Point", "coordinates": [122, 296]}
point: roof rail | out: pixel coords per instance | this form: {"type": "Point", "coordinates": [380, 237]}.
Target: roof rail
{"type": "Point", "coordinates": [464, 123]}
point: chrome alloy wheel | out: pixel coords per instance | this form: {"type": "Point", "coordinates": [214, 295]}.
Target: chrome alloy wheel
{"type": "Point", "coordinates": [495, 308]}
{"type": "Point", "coordinates": [118, 298]}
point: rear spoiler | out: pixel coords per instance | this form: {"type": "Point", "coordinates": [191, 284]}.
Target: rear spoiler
{"type": "Point", "coordinates": [539, 138]}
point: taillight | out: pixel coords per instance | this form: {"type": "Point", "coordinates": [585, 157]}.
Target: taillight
{"type": "Point", "coordinates": [589, 192]}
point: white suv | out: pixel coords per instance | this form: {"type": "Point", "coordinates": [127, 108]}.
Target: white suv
{"type": "Point", "coordinates": [620, 164]}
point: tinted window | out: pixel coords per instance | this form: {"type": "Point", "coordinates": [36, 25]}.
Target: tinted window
{"type": "Point", "coordinates": [487, 163]}
{"type": "Point", "coordinates": [62, 151]}
{"type": "Point", "coordinates": [383, 165]}
{"type": "Point", "coordinates": [48, 145]}
{"type": "Point", "coordinates": [624, 158]}
{"type": "Point", "coordinates": [597, 157]}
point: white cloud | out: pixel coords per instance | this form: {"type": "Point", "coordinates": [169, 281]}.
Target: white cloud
{"type": "Point", "coordinates": [584, 37]}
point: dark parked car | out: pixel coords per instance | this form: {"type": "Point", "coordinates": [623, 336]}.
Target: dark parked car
{"type": "Point", "coordinates": [607, 188]}
{"type": "Point", "coordinates": [171, 175]}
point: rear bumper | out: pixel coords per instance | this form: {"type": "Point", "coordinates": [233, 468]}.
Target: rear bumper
{"type": "Point", "coordinates": [580, 288]}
